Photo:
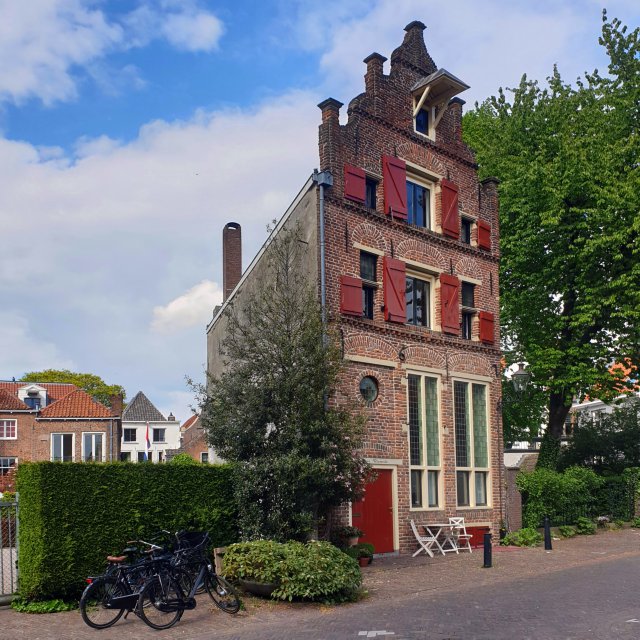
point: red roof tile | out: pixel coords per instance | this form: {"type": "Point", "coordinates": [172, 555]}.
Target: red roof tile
{"type": "Point", "coordinates": [189, 422]}
{"type": "Point", "coordinates": [10, 402]}
{"type": "Point", "coordinates": [77, 404]}
{"type": "Point", "coordinates": [55, 390]}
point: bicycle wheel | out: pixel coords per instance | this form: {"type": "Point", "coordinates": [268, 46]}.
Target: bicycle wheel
{"type": "Point", "coordinates": [93, 603]}
{"type": "Point", "coordinates": [160, 603]}
{"type": "Point", "coordinates": [222, 593]}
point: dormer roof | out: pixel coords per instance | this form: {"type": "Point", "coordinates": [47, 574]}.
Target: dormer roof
{"type": "Point", "coordinates": [442, 85]}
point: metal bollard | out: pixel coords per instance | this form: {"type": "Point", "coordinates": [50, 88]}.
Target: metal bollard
{"type": "Point", "coordinates": [547, 534]}
{"type": "Point", "coordinates": [487, 551]}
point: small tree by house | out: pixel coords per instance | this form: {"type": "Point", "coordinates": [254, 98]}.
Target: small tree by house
{"type": "Point", "coordinates": [271, 411]}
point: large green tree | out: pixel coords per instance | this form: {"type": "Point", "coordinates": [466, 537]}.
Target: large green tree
{"type": "Point", "coordinates": [568, 161]}
{"type": "Point", "coordinates": [94, 385]}
{"type": "Point", "coordinates": [272, 410]}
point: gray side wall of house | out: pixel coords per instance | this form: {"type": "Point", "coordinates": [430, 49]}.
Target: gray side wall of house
{"type": "Point", "coordinates": [305, 213]}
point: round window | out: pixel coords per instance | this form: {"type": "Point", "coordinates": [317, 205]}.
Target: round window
{"type": "Point", "coordinates": [369, 388]}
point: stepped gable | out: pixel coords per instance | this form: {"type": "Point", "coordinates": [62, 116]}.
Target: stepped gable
{"type": "Point", "coordinates": [413, 51]}
{"type": "Point", "coordinates": [9, 402]}
{"type": "Point", "coordinates": [141, 409]}
{"type": "Point", "coordinates": [77, 404]}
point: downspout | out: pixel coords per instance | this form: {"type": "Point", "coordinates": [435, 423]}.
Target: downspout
{"type": "Point", "coordinates": [323, 179]}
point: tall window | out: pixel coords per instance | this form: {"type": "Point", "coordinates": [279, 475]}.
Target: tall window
{"type": "Point", "coordinates": [465, 230]}
{"type": "Point", "coordinates": [468, 309]}
{"type": "Point", "coordinates": [418, 302]}
{"type": "Point", "coordinates": [368, 263]}
{"type": "Point", "coordinates": [92, 447]}
{"type": "Point", "coordinates": [422, 122]}
{"type": "Point", "coordinates": [8, 429]}
{"type": "Point", "coordinates": [472, 446]}
{"type": "Point", "coordinates": [129, 435]}
{"type": "Point", "coordinates": [418, 205]}
{"type": "Point", "coordinates": [62, 447]}
{"type": "Point", "coordinates": [371, 187]}
{"type": "Point", "coordinates": [424, 441]}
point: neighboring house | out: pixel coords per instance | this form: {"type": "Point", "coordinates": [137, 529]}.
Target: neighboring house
{"type": "Point", "coordinates": [194, 441]}
{"type": "Point", "coordinates": [164, 434]}
{"type": "Point", "coordinates": [58, 422]}
{"type": "Point", "coordinates": [410, 265]}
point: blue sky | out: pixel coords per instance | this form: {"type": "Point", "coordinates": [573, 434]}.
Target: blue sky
{"type": "Point", "coordinates": [131, 131]}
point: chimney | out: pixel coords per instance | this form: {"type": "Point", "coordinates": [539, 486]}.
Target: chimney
{"type": "Point", "coordinates": [231, 258]}
{"type": "Point", "coordinates": [116, 405]}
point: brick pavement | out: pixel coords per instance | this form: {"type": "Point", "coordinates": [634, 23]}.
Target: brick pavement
{"type": "Point", "coordinates": [389, 581]}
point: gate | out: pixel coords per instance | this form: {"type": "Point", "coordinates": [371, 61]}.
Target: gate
{"type": "Point", "coordinates": [8, 548]}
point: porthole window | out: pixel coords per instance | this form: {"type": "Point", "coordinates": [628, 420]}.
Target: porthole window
{"type": "Point", "coordinates": [369, 389]}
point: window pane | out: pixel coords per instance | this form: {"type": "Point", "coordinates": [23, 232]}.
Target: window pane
{"type": "Point", "coordinates": [367, 302]}
{"type": "Point", "coordinates": [87, 448]}
{"type": "Point", "coordinates": [367, 266]}
{"type": "Point", "coordinates": [465, 230]}
{"type": "Point", "coordinates": [408, 296]}
{"type": "Point", "coordinates": [97, 453]}
{"type": "Point", "coordinates": [481, 488]}
{"type": "Point", "coordinates": [416, 488]}
{"type": "Point", "coordinates": [67, 447]}
{"type": "Point", "coordinates": [422, 302]}
{"type": "Point", "coordinates": [468, 295]}
{"type": "Point", "coordinates": [56, 445]}
{"type": "Point", "coordinates": [422, 121]}
{"type": "Point", "coordinates": [480, 452]}
{"type": "Point", "coordinates": [370, 195]}
{"type": "Point", "coordinates": [415, 420]}
{"type": "Point", "coordinates": [431, 403]}
{"type": "Point", "coordinates": [432, 488]}
{"type": "Point", "coordinates": [140, 456]}
{"type": "Point", "coordinates": [461, 423]}
{"type": "Point", "coordinates": [462, 478]}
{"type": "Point", "coordinates": [467, 325]}
{"type": "Point", "coordinates": [410, 205]}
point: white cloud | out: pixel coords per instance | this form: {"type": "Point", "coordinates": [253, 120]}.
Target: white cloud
{"type": "Point", "coordinates": [45, 45]}
{"type": "Point", "coordinates": [191, 308]}
{"type": "Point", "coordinates": [22, 351]}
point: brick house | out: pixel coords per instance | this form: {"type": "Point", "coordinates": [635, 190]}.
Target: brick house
{"type": "Point", "coordinates": [403, 244]}
{"type": "Point", "coordinates": [58, 422]}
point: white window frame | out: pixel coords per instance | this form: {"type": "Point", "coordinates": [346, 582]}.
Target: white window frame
{"type": "Point", "coordinates": [202, 455]}
{"type": "Point", "coordinates": [73, 444]}
{"type": "Point", "coordinates": [473, 468]}
{"type": "Point", "coordinates": [431, 130]}
{"type": "Point", "coordinates": [93, 433]}
{"type": "Point", "coordinates": [153, 435]}
{"type": "Point", "coordinates": [129, 429]}
{"type": "Point", "coordinates": [424, 467]}
{"type": "Point", "coordinates": [5, 468]}
{"type": "Point", "coordinates": [431, 280]}
{"type": "Point", "coordinates": [14, 424]}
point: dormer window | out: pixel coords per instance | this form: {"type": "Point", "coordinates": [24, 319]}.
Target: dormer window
{"type": "Point", "coordinates": [422, 122]}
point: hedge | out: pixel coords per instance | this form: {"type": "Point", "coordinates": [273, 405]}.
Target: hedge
{"type": "Point", "coordinates": [72, 515]}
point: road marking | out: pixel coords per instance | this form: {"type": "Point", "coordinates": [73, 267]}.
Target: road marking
{"type": "Point", "coordinates": [633, 620]}
{"type": "Point", "coordinates": [373, 634]}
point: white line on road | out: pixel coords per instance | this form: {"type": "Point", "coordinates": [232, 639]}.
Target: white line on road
{"type": "Point", "coordinates": [373, 634]}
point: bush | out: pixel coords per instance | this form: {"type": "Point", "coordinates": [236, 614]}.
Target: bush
{"type": "Point", "coordinates": [585, 527]}
{"type": "Point", "coordinates": [567, 531]}
{"type": "Point", "coordinates": [526, 537]}
{"type": "Point", "coordinates": [73, 515]}
{"type": "Point", "coordinates": [635, 523]}
{"type": "Point", "coordinates": [315, 571]}
{"type": "Point", "coordinates": [183, 459]}
{"type": "Point", "coordinates": [45, 606]}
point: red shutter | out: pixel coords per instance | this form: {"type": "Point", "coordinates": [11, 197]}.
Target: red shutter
{"type": "Point", "coordinates": [354, 183]}
{"type": "Point", "coordinates": [450, 215]}
{"type": "Point", "coordinates": [351, 295]}
{"type": "Point", "coordinates": [394, 175]}
{"type": "Point", "coordinates": [484, 235]}
{"type": "Point", "coordinates": [395, 284]}
{"type": "Point", "coordinates": [486, 327]}
{"type": "Point", "coordinates": [450, 303]}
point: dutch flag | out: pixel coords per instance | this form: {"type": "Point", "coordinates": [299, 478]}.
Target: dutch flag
{"type": "Point", "coordinates": [147, 445]}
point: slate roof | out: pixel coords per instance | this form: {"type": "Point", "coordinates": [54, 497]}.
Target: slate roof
{"type": "Point", "coordinates": [141, 409]}
{"type": "Point", "coordinates": [77, 404]}
{"type": "Point", "coordinates": [10, 402]}
{"type": "Point", "coordinates": [55, 390]}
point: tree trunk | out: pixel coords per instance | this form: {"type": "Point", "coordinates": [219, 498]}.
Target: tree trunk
{"type": "Point", "coordinates": [550, 446]}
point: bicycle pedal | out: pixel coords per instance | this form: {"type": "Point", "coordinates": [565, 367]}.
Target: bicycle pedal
{"type": "Point", "coordinates": [190, 603]}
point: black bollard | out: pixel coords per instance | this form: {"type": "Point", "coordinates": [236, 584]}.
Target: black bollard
{"type": "Point", "coordinates": [487, 551]}
{"type": "Point", "coordinates": [547, 534]}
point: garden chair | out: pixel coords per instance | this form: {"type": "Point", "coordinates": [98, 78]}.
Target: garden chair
{"type": "Point", "coordinates": [425, 541]}
{"type": "Point", "coordinates": [463, 539]}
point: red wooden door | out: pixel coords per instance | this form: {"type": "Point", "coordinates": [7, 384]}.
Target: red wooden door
{"type": "Point", "coordinates": [374, 513]}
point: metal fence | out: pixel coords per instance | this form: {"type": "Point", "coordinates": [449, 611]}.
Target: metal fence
{"type": "Point", "coordinates": [8, 548]}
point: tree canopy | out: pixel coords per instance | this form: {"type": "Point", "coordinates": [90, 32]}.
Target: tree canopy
{"type": "Point", "coordinates": [271, 411]}
{"type": "Point", "coordinates": [568, 161]}
{"type": "Point", "coordinates": [94, 385]}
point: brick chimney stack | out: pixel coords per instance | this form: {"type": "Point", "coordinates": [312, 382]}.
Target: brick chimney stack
{"type": "Point", "coordinates": [231, 258]}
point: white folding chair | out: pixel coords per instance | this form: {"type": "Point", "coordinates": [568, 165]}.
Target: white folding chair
{"type": "Point", "coordinates": [425, 541]}
{"type": "Point", "coordinates": [463, 539]}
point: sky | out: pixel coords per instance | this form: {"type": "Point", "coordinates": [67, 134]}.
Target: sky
{"type": "Point", "coordinates": [132, 131]}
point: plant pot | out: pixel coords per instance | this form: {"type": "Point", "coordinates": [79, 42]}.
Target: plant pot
{"type": "Point", "coordinates": [353, 541]}
{"type": "Point", "coordinates": [364, 561]}
{"type": "Point", "coordinates": [262, 589]}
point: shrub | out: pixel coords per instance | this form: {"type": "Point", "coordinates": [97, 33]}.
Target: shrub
{"type": "Point", "coordinates": [73, 515]}
{"type": "Point", "coordinates": [567, 531]}
{"type": "Point", "coordinates": [526, 537]}
{"type": "Point", "coordinates": [315, 571]}
{"type": "Point", "coordinates": [635, 523]}
{"type": "Point", "coordinates": [183, 459]}
{"type": "Point", "coordinates": [585, 527]}
{"type": "Point", "coordinates": [44, 606]}
{"type": "Point", "coordinates": [361, 550]}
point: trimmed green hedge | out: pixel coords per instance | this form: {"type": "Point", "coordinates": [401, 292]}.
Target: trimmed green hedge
{"type": "Point", "coordinates": [73, 515]}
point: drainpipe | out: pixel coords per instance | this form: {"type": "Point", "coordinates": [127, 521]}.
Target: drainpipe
{"type": "Point", "coordinates": [323, 179]}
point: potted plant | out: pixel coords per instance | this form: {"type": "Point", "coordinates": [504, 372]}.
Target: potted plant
{"type": "Point", "coordinates": [348, 535]}
{"type": "Point", "coordinates": [362, 552]}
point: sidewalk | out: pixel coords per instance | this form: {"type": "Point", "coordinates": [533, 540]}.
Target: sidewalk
{"type": "Point", "coordinates": [388, 579]}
